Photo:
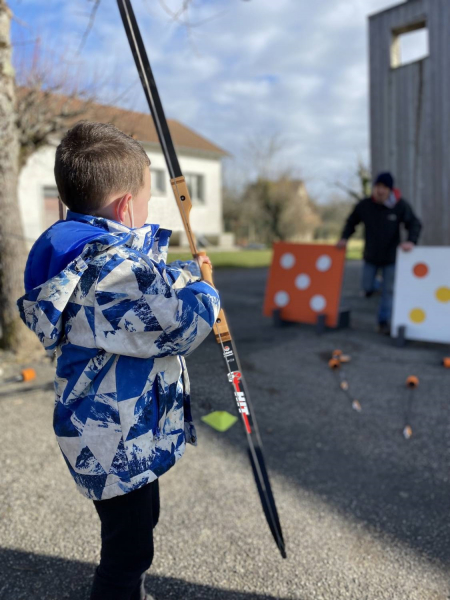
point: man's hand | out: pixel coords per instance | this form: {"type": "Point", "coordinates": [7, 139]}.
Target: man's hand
{"type": "Point", "coordinates": [407, 246]}
{"type": "Point", "coordinates": [342, 243]}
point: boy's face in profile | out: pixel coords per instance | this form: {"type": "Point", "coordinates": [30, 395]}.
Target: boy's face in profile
{"type": "Point", "coordinates": [125, 207]}
{"type": "Point", "coordinates": [141, 200]}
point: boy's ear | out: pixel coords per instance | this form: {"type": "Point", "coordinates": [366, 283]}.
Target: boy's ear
{"type": "Point", "coordinates": [121, 208]}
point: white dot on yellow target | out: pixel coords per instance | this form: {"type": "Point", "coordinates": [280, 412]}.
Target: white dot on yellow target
{"type": "Point", "coordinates": [417, 315]}
{"type": "Point", "coordinates": [443, 294]}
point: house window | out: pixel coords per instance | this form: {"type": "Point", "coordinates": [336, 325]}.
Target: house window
{"type": "Point", "coordinates": [196, 187]}
{"type": "Point", "coordinates": [51, 206]}
{"type": "Point", "coordinates": [409, 44]}
{"type": "Point", "coordinates": [158, 182]}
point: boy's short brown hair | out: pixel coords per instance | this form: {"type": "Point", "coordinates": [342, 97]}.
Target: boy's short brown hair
{"type": "Point", "coordinates": [95, 160]}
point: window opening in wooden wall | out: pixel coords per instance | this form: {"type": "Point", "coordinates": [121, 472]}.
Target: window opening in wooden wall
{"type": "Point", "coordinates": [410, 44]}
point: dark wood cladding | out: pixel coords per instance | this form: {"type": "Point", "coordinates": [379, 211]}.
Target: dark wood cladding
{"type": "Point", "coordinates": [410, 112]}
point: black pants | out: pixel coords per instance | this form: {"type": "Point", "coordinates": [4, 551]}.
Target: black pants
{"type": "Point", "coordinates": [127, 543]}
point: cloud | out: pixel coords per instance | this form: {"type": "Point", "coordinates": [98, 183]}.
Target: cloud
{"type": "Point", "coordinates": [249, 68]}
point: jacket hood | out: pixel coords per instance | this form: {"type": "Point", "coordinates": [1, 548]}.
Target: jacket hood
{"type": "Point", "coordinates": [60, 257]}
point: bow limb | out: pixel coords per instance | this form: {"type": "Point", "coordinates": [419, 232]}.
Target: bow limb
{"type": "Point", "coordinates": [184, 203]}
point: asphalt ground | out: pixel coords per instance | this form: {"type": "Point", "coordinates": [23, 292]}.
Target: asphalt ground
{"type": "Point", "coordinates": [365, 513]}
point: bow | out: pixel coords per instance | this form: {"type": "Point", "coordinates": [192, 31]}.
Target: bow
{"type": "Point", "coordinates": [221, 329]}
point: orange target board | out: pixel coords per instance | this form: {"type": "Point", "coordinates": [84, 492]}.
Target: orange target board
{"type": "Point", "coordinates": [305, 281]}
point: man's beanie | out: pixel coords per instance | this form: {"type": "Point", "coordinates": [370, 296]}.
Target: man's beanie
{"type": "Point", "coordinates": [386, 179]}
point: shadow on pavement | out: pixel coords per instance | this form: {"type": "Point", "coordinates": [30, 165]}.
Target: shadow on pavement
{"type": "Point", "coordinates": [358, 463]}
{"type": "Point", "coordinates": [27, 576]}
{"type": "Point", "coordinates": [27, 389]}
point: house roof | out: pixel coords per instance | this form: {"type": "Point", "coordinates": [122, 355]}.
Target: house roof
{"type": "Point", "coordinates": [137, 124]}
{"type": "Point", "coordinates": [141, 126]}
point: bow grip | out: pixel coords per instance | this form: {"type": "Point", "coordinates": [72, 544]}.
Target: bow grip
{"type": "Point", "coordinates": [206, 271]}
{"type": "Point", "coordinates": [221, 330]}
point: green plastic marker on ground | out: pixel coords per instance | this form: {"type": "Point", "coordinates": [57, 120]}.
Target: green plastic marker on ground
{"type": "Point", "coordinates": [220, 420]}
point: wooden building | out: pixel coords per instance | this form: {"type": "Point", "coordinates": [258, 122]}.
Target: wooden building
{"type": "Point", "coordinates": [410, 109]}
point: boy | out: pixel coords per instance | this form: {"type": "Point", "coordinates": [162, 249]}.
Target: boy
{"type": "Point", "coordinates": [382, 215]}
{"type": "Point", "coordinates": [99, 293]}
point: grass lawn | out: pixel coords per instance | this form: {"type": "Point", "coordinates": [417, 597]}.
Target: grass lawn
{"type": "Point", "coordinates": [255, 258]}
{"type": "Point", "coordinates": [355, 249]}
{"type": "Point", "coordinates": [239, 258]}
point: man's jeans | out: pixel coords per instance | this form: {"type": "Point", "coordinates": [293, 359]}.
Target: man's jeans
{"type": "Point", "coordinates": [370, 284]}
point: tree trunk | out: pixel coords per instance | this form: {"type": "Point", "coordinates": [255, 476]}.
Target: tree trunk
{"type": "Point", "coordinates": [13, 251]}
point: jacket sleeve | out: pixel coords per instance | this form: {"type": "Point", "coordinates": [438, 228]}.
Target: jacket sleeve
{"type": "Point", "coordinates": [180, 273]}
{"type": "Point", "coordinates": [353, 220]}
{"type": "Point", "coordinates": [412, 224]}
{"type": "Point", "coordinates": [139, 312]}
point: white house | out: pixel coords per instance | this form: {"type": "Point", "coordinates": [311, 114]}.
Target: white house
{"type": "Point", "coordinates": [200, 161]}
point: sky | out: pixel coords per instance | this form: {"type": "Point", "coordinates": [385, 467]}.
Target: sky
{"type": "Point", "coordinates": [245, 72]}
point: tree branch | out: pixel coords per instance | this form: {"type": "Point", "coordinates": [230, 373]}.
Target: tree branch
{"type": "Point", "coordinates": [90, 24]}
{"type": "Point", "coordinates": [349, 191]}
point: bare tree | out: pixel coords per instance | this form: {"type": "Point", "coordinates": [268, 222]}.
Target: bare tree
{"type": "Point", "coordinates": [180, 15]}
{"type": "Point", "coordinates": [12, 243]}
{"type": "Point", "coordinates": [300, 217]}
{"type": "Point", "coordinates": [30, 116]}
{"type": "Point", "coordinates": [43, 114]}
{"type": "Point", "coordinates": [274, 205]}
{"type": "Point", "coordinates": [364, 179]}
{"type": "Point", "coordinates": [263, 154]}
{"type": "Point", "coordinates": [333, 215]}
{"type": "Point", "coordinates": [280, 210]}
{"type": "Point", "coordinates": [95, 7]}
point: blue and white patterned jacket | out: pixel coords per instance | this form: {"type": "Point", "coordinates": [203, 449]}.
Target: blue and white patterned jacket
{"type": "Point", "coordinates": [121, 322]}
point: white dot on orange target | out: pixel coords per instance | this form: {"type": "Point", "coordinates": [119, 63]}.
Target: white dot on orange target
{"type": "Point", "coordinates": [287, 261]}
{"type": "Point", "coordinates": [323, 263]}
{"type": "Point", "coordinates": [281, 299]}
{"type": "Point", "coordinates": [302, 281]}
{"type": "Point", "coordinates": [318, 303]}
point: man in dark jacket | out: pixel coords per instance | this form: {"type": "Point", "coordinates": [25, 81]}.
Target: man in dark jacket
{"type": "Point", "coordinates": [382, 215]}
